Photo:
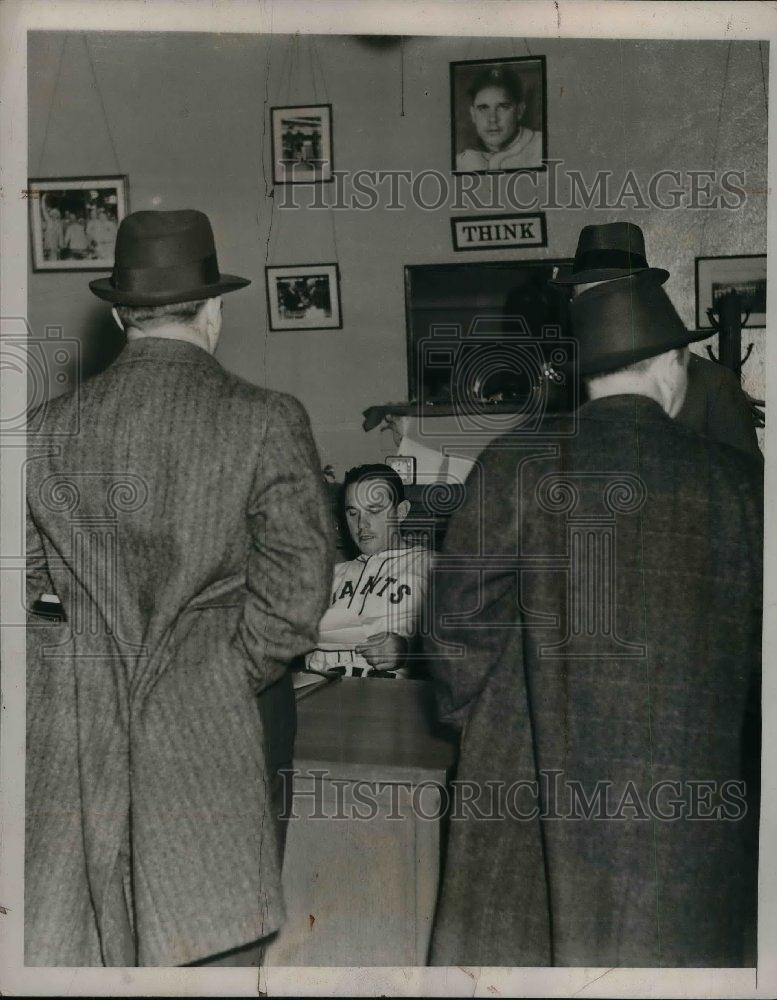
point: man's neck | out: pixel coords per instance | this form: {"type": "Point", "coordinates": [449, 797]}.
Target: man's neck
{"type": "Point", "coordinates": [172, 331]}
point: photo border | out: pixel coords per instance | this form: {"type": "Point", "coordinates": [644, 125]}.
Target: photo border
{"type": "Point", "coordinates": [297, 267]}
{"type": "Point", "coordinates": [697, 285]}
{"type": "Point", "coordinates": [292, 107]}
{"type": "Point", "coordinates": [501, 218]}
{"type": "Point", "coordinates": [544, 89]}
{"type": "Point", "coordinates": [405, 458]}
{"type": "Point", "coordinates": [121, 182]}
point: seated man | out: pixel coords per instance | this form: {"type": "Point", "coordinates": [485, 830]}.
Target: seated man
{"type": "Point", "coordinates": [377, 597]}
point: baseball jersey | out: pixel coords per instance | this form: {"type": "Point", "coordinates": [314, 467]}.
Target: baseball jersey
{"type": "Point", "coordinates": [371, 595]}
{"type": "Point", "coordinates": [524, 151]}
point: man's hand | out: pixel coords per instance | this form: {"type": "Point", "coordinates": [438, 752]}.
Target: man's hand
{"type": "Point", "coordinates": [386, 651]}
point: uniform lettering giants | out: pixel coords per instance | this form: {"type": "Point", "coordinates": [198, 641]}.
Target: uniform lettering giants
{"type": "Point", "coordinates": [372, 595]}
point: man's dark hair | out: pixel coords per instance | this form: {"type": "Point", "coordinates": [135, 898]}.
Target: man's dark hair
{"type": "Point", "coordinates": [141, 316]}
{"type": "Point", "coordinates": [385, 473]}
{"type": "Point", "coordinates": [497, 76]}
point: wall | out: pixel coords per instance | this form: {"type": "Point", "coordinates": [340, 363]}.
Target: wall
{"type": "Point", "coordinates": [188, 122]}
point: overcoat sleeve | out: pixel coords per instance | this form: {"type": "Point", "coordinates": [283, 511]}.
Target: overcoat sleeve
{"type": "Point", "coordinates": [473, 591]}
{"type": "Point", "coordinates": [289, 568]}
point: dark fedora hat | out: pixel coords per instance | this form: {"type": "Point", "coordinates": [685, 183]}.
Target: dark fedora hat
{"type": "Point", "coordinates": [626, 320]}
{"type": "Point", "coordinates": [163, 258]}
{"type": "Point", "coordinates": [611, 250]}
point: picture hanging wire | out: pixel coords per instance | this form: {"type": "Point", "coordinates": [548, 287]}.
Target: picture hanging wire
{"type": "Point", "coordinates": [715, 146]}
{"type": "Point", "coordinates": [52, 99]}
{"type": "Point", "coordinates": [285, 75]}
{"type": "Point", "coordinates": [292, 87]}
{"type": "Point", "coordinates": [401, 77]}
{"type": "Point", "coordinates": [317, 67]}
{"type": "Point", "coordinates": [102, 104]}
{"type": "Point", "coordinates": [763, 73]}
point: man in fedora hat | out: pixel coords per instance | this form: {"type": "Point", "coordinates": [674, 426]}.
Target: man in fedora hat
{"type": "Point", "coordinates": [178, 514]}
{"type": "Point", "coordinates": [715, 404]}
{"type": "Point", "coordinates": [597, 642]}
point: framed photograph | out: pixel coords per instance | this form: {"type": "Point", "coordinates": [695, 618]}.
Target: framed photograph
{"type": "Point", "coordinates": [498, 115]}
{"type": "Point", "coordinates": [499, 232]}
{"type": "Point", "coordinates": [304, 297]}
{"type": "Point", "coordinates": [745, 274]}
{"type": "Point", "coordinates": [404, 466]}
{"type": "Point", "coordinates": [74, 221]}
{"type": "Point", "coordinates": [302, 144]}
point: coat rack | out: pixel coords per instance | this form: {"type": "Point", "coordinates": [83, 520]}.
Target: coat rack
{"type": "Point", "coordinates": [727, 318]}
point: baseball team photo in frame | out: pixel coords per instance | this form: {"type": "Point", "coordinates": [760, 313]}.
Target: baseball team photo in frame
{"type": "Point", "coordinates": [498, 115]}
{"type": "Point", "coordinates": [745, 274]}
{"type": "Point", "coordinates": [74, 221]}
{"type": "Point", "coordinates": [303, 297]}
{"type": "Point", "coordinates": [302, 144]}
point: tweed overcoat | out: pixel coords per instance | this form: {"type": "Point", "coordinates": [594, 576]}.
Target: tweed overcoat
{"type": "Point", "coordinates": [600, 597]}
{"type": "Point", "coordinates": [179, 514]}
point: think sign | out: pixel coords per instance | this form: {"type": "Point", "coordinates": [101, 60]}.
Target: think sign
{"type": "Point", "coordinates": [481, 232]}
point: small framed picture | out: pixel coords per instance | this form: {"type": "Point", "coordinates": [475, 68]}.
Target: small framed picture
{"type": "Point", "coordinates": [302, 144]}
{"type": "Point", "coordinates": [404, 466]}
{"type": "Point", "coordinates": [74, 221]}
{"type": "Point", "coordinates": [715, 276]}
{"type": "Point", "coordinates": [498, 115]}
{"type": "Point", "coordinates": [303, 297]}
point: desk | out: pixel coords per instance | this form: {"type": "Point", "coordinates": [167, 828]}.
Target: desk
{"type": "Point", "coordinates": [361, 868]}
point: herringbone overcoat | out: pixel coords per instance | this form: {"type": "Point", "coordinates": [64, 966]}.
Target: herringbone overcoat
{"type": "Point", "coordinates": [600, 597]}
{"type": "Point", "coordinates": [178, 513]}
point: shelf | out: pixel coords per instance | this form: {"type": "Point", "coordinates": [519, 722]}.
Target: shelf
{"type": "Point", "coordinates": [375, 415]}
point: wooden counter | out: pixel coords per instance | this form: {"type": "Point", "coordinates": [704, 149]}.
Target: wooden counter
{"type": "Point", "coordinates": [362, 862]}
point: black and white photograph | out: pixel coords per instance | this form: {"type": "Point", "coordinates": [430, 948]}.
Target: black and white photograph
{"type": "Point", "coordinates": [74, 221]}
{"type": "Point", "coordinates": [498, 115]}
{"type": "Point", "coordinates": [404, 466]}
{"type": "Point", "coordinates": [302, 144]}
{"type": "Point", "coordinates": [388, 581]}
{"type": "Point", "coordinates": [744, 276]}
{"type": "Point", "coordinates": [304, 297]}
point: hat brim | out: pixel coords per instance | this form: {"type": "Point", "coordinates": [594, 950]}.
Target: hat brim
{"type": "Point", "coordinates": [611, 362]}
{"type": "Point", "coordinates": [103, 289]}
{"type": "Point", "coordinates": [607, 274]}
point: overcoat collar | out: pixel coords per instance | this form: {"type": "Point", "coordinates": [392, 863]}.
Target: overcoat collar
{"type": "Point", "coordinates": [164, 350]}
{"type": "Point", "coordinates": [623, 407]}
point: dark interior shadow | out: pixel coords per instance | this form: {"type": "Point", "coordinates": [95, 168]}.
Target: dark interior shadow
{"type": "Point", "coordinates": [101, 342]}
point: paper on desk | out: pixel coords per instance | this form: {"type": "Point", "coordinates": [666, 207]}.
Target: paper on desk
{"type": "Point", "coordinates": [339, 631]}
{"type": "Point", "coordinates": [302, 679]}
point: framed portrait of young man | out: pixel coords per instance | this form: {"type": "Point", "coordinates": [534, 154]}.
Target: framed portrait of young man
{"type": "Point", "coordinates": [498, 115]}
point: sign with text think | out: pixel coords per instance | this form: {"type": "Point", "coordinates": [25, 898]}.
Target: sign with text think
{"type": "Point", "coordinates": [499, 232]}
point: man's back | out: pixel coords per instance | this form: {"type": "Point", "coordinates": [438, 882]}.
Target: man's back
{"type": "Point", "coordinates": [179, 515]}
{"type": "Point", "coordinates": [635, 663]}
{"type": "Point", "coordinates": [164, 449]}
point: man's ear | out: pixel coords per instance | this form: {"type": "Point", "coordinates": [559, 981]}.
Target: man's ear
{"type": "Point", "coordinates": [403, 509]}
{"type": "Point", "coordinates": [117, 318]}
{"type": "Point", "coordinates": [520, 109]}
{"type": "Point", "coordinates": [212, 310]}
